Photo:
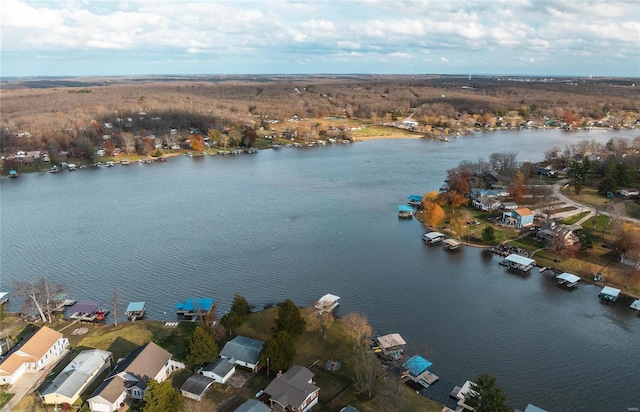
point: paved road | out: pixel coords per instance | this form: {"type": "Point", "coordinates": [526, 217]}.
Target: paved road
{"type": "Point", "coordinates": [592, 210]}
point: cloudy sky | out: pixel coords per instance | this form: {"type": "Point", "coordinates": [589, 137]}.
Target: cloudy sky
{"type": "Point", "coordinates": [518, 37]}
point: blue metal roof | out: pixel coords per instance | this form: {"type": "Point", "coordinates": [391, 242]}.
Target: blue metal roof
{"type": "Point", "coordinates": [405, 208]}
{"type": "Point", "coordinates": [135, 307]}
{"type": "Point", "coordinates": [416, 365]}
{"type": "Point", "coordinates": [416, 198]}
{"type": "Point", "coordinates": [191, 304]}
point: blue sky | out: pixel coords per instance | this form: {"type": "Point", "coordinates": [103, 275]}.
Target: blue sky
{"type": "Point", "coordinates": [516, 37]}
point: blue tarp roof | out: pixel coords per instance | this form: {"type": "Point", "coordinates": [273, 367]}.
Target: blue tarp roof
{"type": "Point", "coordinates": [416, 365]}
{"type": "Point", "coordinates": [135, 307]}
{"type": "Point", "coordinates": [405, 208]}
{"type": "Point", "coordinates": [191, 304]}
{"type": "Point", "coordinates": [415, 198]}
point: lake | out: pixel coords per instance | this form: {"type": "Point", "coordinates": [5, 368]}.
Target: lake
{"type": "Point", "coordinates": [299, 223]}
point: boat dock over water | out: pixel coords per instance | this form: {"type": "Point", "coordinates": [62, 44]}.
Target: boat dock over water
{"type": "Point", "coordinates": [567, 279]}
{"type": "Point", "coordinates": [418, 370]}
{"type": "Point", "coordinates": [136, 310]}
{"type": "Point", "coordinates": [433, 237]}
{"type": "Point", "coordinates": [609, 294]}
{"type": "Point", "coordinates": [451, 244]}
{"type": "Point", "coordinates": [405, 212]}
{"type": "Point", "coordinates": [517, 262]}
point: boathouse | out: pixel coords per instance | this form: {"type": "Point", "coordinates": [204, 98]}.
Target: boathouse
{"type": "Point", "coordinates": [461, 394]}
{"type": "Point", "coordinates": [519, 218]}
{"type": "Point", "coordinates": [518, 262]}
{"type": "Point", "coordinates": [433, 237]}
{"type": "Point", "coordinates": [567, 279]}
{"type": "Point", "coordinates": [418, 370]}
{"type": "Point", "coordinates": [136, 310]}
{"type": "Point", "coordinates": [609, 294]}
{"type": "Point", "coordinates": [405, 211]}
{"type": "Point", "coordinates": [391, 346]}
{"type": "Point", "coordinates": [327, 303]}
{"type": "Point", "coordinates": [4, 297]}
{"type": "Point", "coordinates": [86, 310]}
{"type": "Point", "coordinates": [192, 308]}
{"type": "Point", "coordinates": [635, 305]}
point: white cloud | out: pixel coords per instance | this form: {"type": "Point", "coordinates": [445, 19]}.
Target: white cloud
{"type": "Point", "coordinates": [443, 59]}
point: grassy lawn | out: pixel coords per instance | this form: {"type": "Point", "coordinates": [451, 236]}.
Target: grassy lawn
{"type": "Point", "coordinates": [382, 132]}
{"type": "Point", "coordinates": [5, 397]}
{"type": "Point", "coordinates": [573, 219]}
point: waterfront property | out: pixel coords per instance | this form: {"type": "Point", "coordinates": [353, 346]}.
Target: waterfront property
{"type": "Point", "coordinates": [128, 380]}
{"type": "Point", "coordinates": [4, 297]}
{"type": "Point", "coordinates": [390, 346]}
{"type": "Point", "coordinates": [609, 294]}
{"type": "Point", "coordinates": [193, 308]}
{"type": "Point", "coordinates": [41, 349]}
{"type": "Point", "coordinates": [195, 386]}
{"type": "Point", "coordinates": [135, 310]}
{"type": "Point", "coordinates": [433, 237]}
{"type": "Point", "coordinates": [243, 351]}
{"type": "Point", "coordinates": [517, 262]}
{"type": "Point", "coordinates": [567, 279]}
{"type": "Point", "coordinates": [252, 406]}
{"type": "Point", "coordinates": [293, 390]}
{"type": "Point", "coordinates": [519, 218]}
{"type": "Point", "coordinates": [635, 305]}
{"type": "Point", "coordinates": [76, 376]}
{"type": "Point", "coordinates": [327, 303]}
{"type": "Point", "coordinates": [405, 212]}
{"type": "Point", "coordinates": [418, 369]}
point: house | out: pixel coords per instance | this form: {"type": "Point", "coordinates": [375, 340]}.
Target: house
{"type": "Point", "coordinates": [293, 390]}
{"type": "Point", "coordinates": [219, 370]}
{"type": "Point", "coordinates": [547, 170]}
{"type": "Point", "coordinates": [193, 308]}
{"type": "Point", "coordinates": [488, 204]}
{"type": "Point", "coordinates": [43, 348]}
{"type": "Point", "coordinates": [195, 387]}
{"type": "Point", "coordinates": [519, 218]}
{"type": "Point", "coordinates": [508, 206]}
{"type": "Point", "coordinates": [391, 346]}
{"type": "Point", "coordinates": [551, 230]}
{"type": "Point", "coordinates": [130, 376]}
{"type": "Point", "coordinates": [252, 406]}
{"type": "Point", "coordinates": [76, 376]}
{"type": "Point", "coordinates": [243, 351]}
{"type": "Point", "coordinates": [411, 124]}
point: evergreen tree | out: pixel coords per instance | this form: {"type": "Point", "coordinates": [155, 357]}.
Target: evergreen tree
{"type": "Point", "coordinates": [488, 234]}
{"type": "Point", "coordinates": [161, 397]}
{"type": "Point", "coordinates": [278, 352]}
{"type": "Point", "coordinates": [289, 319]}
{"type": "Point", "coordinates": [202, 348]}
{"type": "Point", "coordinates": [240, 306]}
{"type": "Point", "coordinates": [487, 396]}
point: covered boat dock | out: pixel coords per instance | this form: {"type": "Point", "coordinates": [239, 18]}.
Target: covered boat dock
{"type": "Point", "coordinates": [518, 262]}
{"type": "Point", "coordinates": [418, 370]}
{"type": "Point", "coordinates": [136, 310]}
{"type": "Point", "coordinates": [567, 279]}
{"type": "Point", "coordinates": [4, 297]}
{"type": "Point", "coordinates": [451, 244]}
{"type": "Point", "coordinates": [433, 237]}
{"type": "Point", "coordinates": [609, 294]}
{"type": "Point", "coordinates": [86, 310]}
{"type": "Point", "coordinates": [635, 305]}
{"type": "Point", "coordinates": [327, 303]}
{"type": "Point", "coordinates": [391, 346]}
{"type": "Point", "coordinates": [405, 211]}
{"type": "Point", "coordinates": [414, 200]}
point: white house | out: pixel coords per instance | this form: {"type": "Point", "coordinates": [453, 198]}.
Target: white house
{"type": "Point", "coordinates": [219, 370]}
{"type": "Point", "coordinates": [130, 376]}
{"type": "Point", "coordinates": [243, 351]}
{"type": "Point", "coordinates": [41, 349]}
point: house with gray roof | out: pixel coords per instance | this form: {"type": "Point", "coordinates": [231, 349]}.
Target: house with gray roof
{"type": "Point", "coordinates": [130, 376]}
{"type": "Point", "coordinates": [195, 386]}
{"type": "Point", "coordinates": [219, 370]}
{"type": "Point", "coordinates": [293, 390]}
{"type": "Point", "coordinates": [67, 386]}
{"type": "Point", "coordinates": [243, 351]}
{"type": "Point", "coordinates": [252, 406]}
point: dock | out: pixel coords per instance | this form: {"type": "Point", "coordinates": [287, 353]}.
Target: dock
{"type": "Point", "coordinates": [87, 311]}
{"type": "Point", "coordinates": [451, 244]}
{"type": "Point", "coordinates": [414, 200]}
{"type": "Point", "coordinates": [405, 212]}
{"type": "Point", "coordinates": [635, 305]}
{"type": "Point", "coordinates": [567, 279]}
{"type": "Point", "coordinates": [4, 297]}
{"type": "Point", "coordinates": [418, 370]}
{"type": "Point", "coordinates": [327, 303]}
{"type": "Point", "coordinates": [609, 294]}
{"type": "Point", "coordinates": [136, 310]}
{"type": "Point", "coordinates": [433, 237]}
{"type": "Point", "coordinates": [517, 262]}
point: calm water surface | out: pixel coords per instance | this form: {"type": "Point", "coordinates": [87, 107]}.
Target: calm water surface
{"type": "Point", "coordinates": [299, 223]}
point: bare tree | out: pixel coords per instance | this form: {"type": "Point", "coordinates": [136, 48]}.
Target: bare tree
{"type": "Point", "coordinates": [358, 329]}
{"type": "Point", "coordinates": [39, 295]}
{"type": "Point", "coordinates": [502, 161]}
{"type": "Point", "coordinates": [319, 316]}
{"type": "Point", "coordinates": [116, 299]}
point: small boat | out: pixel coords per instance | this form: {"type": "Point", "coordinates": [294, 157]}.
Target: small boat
{"type": "Point", "coordinates": [13, 173]}
{"type": "Point", "coordinates": [54, 169]}
{"type": "Point", "coordinates": [162, 159]}
{"type": "Point", "coordinates": [108, 164]}
{"type": "Point", "coordinates": [190, 154]}
{"type": "Point", "coordinates": [71, 167]}
{"type": "Point", "coordinates": [124, 162]}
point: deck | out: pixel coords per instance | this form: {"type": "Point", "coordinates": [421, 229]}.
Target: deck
{"type": "Point", "coordinates": [517, 262]}
{"type": "Point", "coordinates": [451, 244]}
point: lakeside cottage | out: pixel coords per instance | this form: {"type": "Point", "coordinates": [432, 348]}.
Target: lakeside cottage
{"type": "Point", "coordinates": [243, 351]}
{"type": "Point", "coordinates": [293, 390]}
{"type": "Point", "coordinates": [43, 348]}
{"type": "Point", "coordinates": [390, 346]}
